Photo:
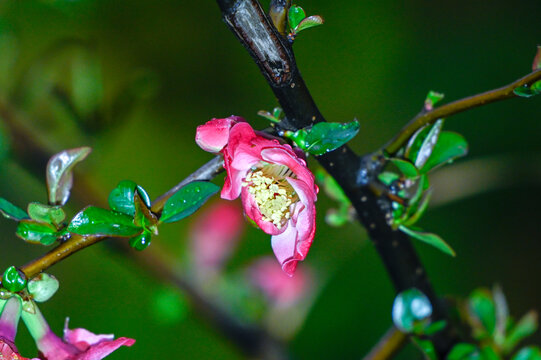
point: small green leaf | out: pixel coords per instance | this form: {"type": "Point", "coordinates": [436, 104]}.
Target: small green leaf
{"type": "Point", "coordinates": [121, 197]}
{"type": "Point", "coordinates": [420, 157]}
{"type": "Point", "coordinates": [141, 242]}
{"type": "Point", "coordinates": [528, 353]}
{"type": "Point", "coordinates": [187, 200]}
{"type": "Point", "coordinates": [536, 87]}
{"type": "Point", "coordinates": [429, 238]}
{"type": "Point", "coordinates": [526, 326]}
{"type": "Point", "coordinates": [277, 113]}
{"type": "Point", "coordinates": [502, 315]}
{"type": "Point", "coordinates": [407, 168]}
{"type": "Point", "coordinates": [435, 327]}
{"type": "Point", "coordinates": [295, 15]}
{"type": "Point", "coordinates": [525, 91]}
{"type": "Point", "coordinates": [309, 22]}
{"type": "Point", "coordinates": [11, 211]}
{"type": "Point", "coordinates": [43, 287]}
{"type": "Point", "coordinates": [483, 310]}
{"type": "Point", "coordinates": [13, 279]}
{"type": "Point", "coordinates": [97, 221]}
{"type": "Point", "coordinates": [36, 232]}
{"type": "Point", "coordinates": [29, 306]}
{"type": "Point", "coordinates": [325, 137]}
{"type": "Point", "coordinates": [415, 212]}
{"type": "Point", "coordinates": [46, 213]}
{"type": "Point", "coordinates": [426, 347]}
{"type": "Point", "coordinates": [410, 307]}
{"type": "Point", "coordinates": [432, 98]}
{"type": "Point", "coordinates": [59, 173]}
{"type": "Point", "coordinates": [464, 351]}
{"type": "Point", "coordinates": [387, 178]}
{"type": "Point", "coordinates": [450, 146]}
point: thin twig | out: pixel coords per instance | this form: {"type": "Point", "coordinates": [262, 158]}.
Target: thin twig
{"type": "Point", "coordinates": [424, 118]}
{"type": "Point", "coordinates": [389, 344]}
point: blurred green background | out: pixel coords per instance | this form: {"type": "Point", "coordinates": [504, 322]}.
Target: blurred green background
{"type": "Point", "coordinates": [134, 78]}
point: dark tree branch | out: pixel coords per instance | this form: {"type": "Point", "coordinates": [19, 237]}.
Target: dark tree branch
{"type": "Point", "coordinates": [275, 58]}
{"type": "Point", "coordinates": [424, 118]}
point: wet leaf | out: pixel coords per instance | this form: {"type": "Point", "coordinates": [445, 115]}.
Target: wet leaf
{"type": "Point", "coordinates": [121, 197]}
{"type": "Point", "coordinates": [143, 216]}
{"type": "Point", "coordinates": [325, 137]}
{"type": "Point", "coordinates": [141, 242]}
{"type": "Point", "coordinates": [295, 15]}
{"type": "Point", "coordinates": [526, 326]}
{"type": "Point", "coordinates": [422, 147]}
{"type": "Point", "coordinates": [46, 213]}
{"type": "Point", "coordinates": [187, 200]}
{"type": "Point", "coordinates": [417, 211]}
{"type": "Point", "coordinates": [309, 22]}
{"type": "Point", "coordinates": [483, 310]}
{"type": "Point", "coordinates": [464, 351]}
{"type": "Point", "coordinates": [407, 168]}
{"type": "Point", "coordinates": [525, 91]}
{"type": "Point", "coordinates": [97, 221]}
{"type": "Point", "coordinates": [387, 178]}
{"type": "Point", "coordinates": [528, 353]}
{"type": "Point", "coordinates": [429, 238]}
{"type": "Point", "coordinates": [59, 173]}
{"type": "Point", "coordinates": [13, 279]}
{"type": "Point", "coordinates": [36, 232]}
{"type": "Point", "coordinates": [409, 308]}
{"type": "Point", "coordinates": [426, 347]}
{"type": "Point", "coordinates": [11, 211]}
{"type": "Point", "coordinates": [449, 147]}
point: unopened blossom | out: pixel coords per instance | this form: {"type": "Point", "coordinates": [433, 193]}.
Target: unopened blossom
{"type": "Point", "coordinates": [77, 344]}
{"type": "Point", "coordinates": [9, 321]}
{"type": "Point", "coordinates": [279, 288]}
{"type": "Point", "coordinates": [215, 233]}
{"type": "Point", "coordinates": [277, 189]}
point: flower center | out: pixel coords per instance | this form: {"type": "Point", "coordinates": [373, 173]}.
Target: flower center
{"type": "Point", "coordinates": [272, 192]}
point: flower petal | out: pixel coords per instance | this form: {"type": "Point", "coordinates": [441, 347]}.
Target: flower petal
{"type": "Point", "coordinates": [104, 348]}
{"type": "Point", "coordinates": [284, 246]}
{"type": "Point", "coordinates": [214, 135]}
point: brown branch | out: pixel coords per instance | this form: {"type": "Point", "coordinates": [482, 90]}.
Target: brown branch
{"type": "Point", "coordinates": [390, 344]}
{"type": "Point", "coordinates": [424, 118]}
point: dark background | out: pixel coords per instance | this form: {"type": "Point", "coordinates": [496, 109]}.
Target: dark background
{"type": "Point", "coordinates": [167, 66]}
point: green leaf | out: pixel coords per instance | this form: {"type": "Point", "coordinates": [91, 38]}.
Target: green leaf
{"type": "Point", "coordinates": [410, 307]}
{"type": "Point", "coordinates": [417, 210]}
{"type": "Point", "coordinates": [528, 353]}
{"type": "Point", "coordinates": [325, 137]}
{"type": "Point", "coordinates": [141, 242]}
{"type": "Point", "coordinates": [46, 213]}
{"type": "Point", "coordinates": [422, 143]}
{"type": "Point", "coordinates": [526, 326]}
{"type": "Point", "coordinates": [36, 232]}
{"type": "Point", "coordinates": [536, 87]}
{"type": "Point", "coordinates": [464, 351]}
{"type": "Point", "coordinates": [426, 347]}
{"type": "Point", "coordinates": [432, 98]}
{"type": "Point", "coordinates": [59, 173]}
{"type": "Point", "coordinates": [488, 353]}
{"type": "Point", "coordinates": [295, 15]}
{"type": "Point", "coordinates": [121, 197]}
{"type": "Point", "coordinates": [13, 279]}
{"type": "Point", "coordinates": [43, 287]}
{"type": "Point", "coordinates": [502, 315]}
{"type": "Point", "coordinates": [525, 91]}
{"type": "Point", "coordinates": [331, 187]}
{"type": "Point", "coordinates": [435, 327]}
{"type": "Point", "coordinates": [429, 238]}
{"type": "Point", "coordinates": [97, 221]}
{"type": "Point", "coordinates": [11, 211]}
{"type": "Point", "coordinates": [483, 310]}
{"type": "Point", "coordinates": [309, 22]}
{"type": "Point", "coordinates": [187, 200]}
{"type": "Point", "coordinates": [387, 178]}
{"type": "Point", "coordinates": [407, 168]}
{"type": "Point", "coordinates": [277, 113]}
{"type": "Point", "coordinates": [450, 146]}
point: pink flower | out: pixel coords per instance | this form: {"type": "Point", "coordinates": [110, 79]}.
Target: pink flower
{"type": "Point", "coordinates": [277, 286]}
{"type": "Point", "coordinates": [9, 321]}
{"type": "Point", "coordinates": [277, 189]}
{"type": "Point", "coordinates": [215, 234]}
{"type": "Point", "coordinates": [213, 136]}
{"type": "Point", "coordinates": [78, 344]}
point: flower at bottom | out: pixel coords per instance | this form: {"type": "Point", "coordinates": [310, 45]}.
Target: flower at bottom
{"type": "Point", "coordinates": [9, 320]}
{"type": "Point", "coordinates": [78, 344]}
{"type": "Point", "coordinates": [277, 189]}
